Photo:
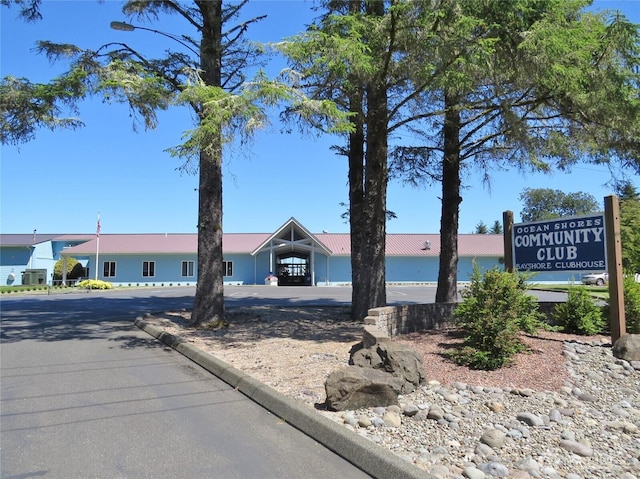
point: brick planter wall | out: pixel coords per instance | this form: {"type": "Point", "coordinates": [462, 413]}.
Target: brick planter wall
{"type": "Point", "coordinates": [415, 318]}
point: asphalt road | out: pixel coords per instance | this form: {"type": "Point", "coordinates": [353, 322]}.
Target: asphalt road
{"type": "Point", "coordinates": [85, 394]}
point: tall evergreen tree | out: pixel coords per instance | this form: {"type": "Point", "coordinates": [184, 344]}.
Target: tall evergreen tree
{"type": "Point", "coordinates": [361, 54]}
{"type": "Point", "coordinates": [205, 72]}
{"type": "Point", "coordinates": [356, 41]}
{"type": "Point", "coordinates": [481, 228]}
{"type": "Point", "coordinates": [214, 55]}
{"type": "Point", "coordinates": [630, 226]}
{"type": "Point", "coordinates": [531, 84]}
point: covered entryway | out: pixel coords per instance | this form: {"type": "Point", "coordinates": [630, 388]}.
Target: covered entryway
{"type": "Point", "coordinates": [292, 254]}
{"type": "Point", "coordinates": [293, 269]}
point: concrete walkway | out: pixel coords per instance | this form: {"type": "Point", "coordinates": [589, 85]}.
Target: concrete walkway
{"type": "Point", "coordinates": [86, 394]}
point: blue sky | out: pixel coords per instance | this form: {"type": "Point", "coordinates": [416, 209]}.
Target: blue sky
{"type": "Point", "coordinates": [60, 181]}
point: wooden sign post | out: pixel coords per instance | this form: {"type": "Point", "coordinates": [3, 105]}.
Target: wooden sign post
{"type": "Point", "coordinates": [507, 227]}
{"type": "Point", "coordinates": [614, 262]}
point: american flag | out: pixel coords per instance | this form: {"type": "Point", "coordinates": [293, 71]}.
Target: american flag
{"type": "Point", "coordinates": [98, 226]}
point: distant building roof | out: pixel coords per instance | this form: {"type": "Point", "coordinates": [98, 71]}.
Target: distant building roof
{"type": "Point", "coordinates": [30, 239]}
{"type": "Point", "coordinates": [245, 243]}
{"type": "Point", "coordinates": [401, 244]}
{"type": "Point", "coordinates": [25, 239]}
{"type": "Point", "coordinates": [137, 244]}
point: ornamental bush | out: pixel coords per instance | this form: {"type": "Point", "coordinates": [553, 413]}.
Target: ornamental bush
{"type": "Point", "coordinates": [94, 284]}
{"type": "Point", "coordinates": [579, 314]}
{"type": "Point", "coordinates": [495, 309]}
{"type": "Point", "coordinates": [632, 304]}
{"type": "Point", "coordinates": [74, 269]}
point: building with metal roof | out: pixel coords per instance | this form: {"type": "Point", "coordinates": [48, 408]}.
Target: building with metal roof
{"type": "Point", "coordinates": [291, 255]}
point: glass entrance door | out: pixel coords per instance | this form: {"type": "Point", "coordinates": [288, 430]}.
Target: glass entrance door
{"type": "Point", "coordinates": [294, 270]}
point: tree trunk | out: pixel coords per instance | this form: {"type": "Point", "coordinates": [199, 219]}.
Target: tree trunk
{"type": "Point", "coordinates": [209, 300]}
{"type": "Point", "coordinates": [376, 176]}
{"type": "Point", "coordinates": [357, 215]}
{"type": "Point", "coordinates": [357, 218]}
{"type": "Point", "coordinates": [369, 288]}
{"type": "Point", "coordinates": [447, 291]}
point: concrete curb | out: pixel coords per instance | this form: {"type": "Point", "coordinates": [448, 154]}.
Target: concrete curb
{"type": "Point", "coordinates": [370, 458]}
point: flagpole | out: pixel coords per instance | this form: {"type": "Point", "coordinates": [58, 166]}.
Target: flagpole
{"type": "Point", "coordinates": [97, 245]}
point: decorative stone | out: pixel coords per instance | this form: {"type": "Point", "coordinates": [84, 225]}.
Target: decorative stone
{"type": "Point", "coordinates": [528, 464]}
{"type": "Point", "coordinates": [555, 415]}
{"type": "Point", "coordinates": [471, 472]}
{"type": "Point", "coordinates": [355, 388]}
{"type": "Point", "coordinates": [364, 422]}
{"type": "Point", "coordinates": [410, 410]}
{"type": "Point", "coordinates": [392, 419]}
{"type": "Point", "coordinates": [576, 448]}
{"type": "Point", "coordinates": [627, 347]}
{"type": "Point", "coordinates": [494, 469]}
{"type": "Point", "coordinates": [435, 412]}
{"type": "Point", "coordinates": [493, 438]}
{"type": "Point", "coordinates": [398, 359]}
{"type": "Point", "coordinates": [495, 406]}
{"type": "Point", "coordinates": [530, 419]}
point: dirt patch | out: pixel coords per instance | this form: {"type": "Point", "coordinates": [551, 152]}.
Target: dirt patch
{"type": "Point", "coordinates": [293, 349]}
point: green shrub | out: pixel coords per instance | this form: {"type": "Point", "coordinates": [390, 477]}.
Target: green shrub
{"type": "Point", "coordinates": [579, 314]}
{"type": "Point", "coordinates": [494, 310]}
{"type": "Point", "coordinates": [632, 304]}
{"type": "Point", "coordinates": [75, 269]}
{"type": "Point", "coordinates": [94, 284]}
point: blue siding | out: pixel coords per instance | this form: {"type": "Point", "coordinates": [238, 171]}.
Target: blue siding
{"type": "Point", "coordinates": [465, 266]}
{"type": "Point", "coordinates": [406, 269]}
{"type": "Point", "coordinates": [43, 259]}
{"type": "Point", "coordinates": [321, 274]}
{"type": "Point", "coordinates": [168, 269]}
{"type": "Point", "coordinates": [13, 261]}
{"type": "Point", "coordinates": [242, 271]}
{"type": "Point", "coordinates": [339, 270]}
{"type": "Point", "coordinates": [262, 268]}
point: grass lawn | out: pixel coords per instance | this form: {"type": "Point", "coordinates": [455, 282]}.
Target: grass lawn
{"type": "Point", "coordinates": [598, 292]}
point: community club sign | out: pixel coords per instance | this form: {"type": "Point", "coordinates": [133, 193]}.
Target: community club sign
{"type": "Point", "coordinates": [567, 244]}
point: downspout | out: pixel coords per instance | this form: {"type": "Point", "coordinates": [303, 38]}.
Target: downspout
{"type": "Point", "coordinates": [328, 261]}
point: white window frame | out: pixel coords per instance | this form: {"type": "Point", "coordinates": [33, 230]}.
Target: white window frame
{"type": "Point", "coordinates": [111, 271]}
{"type": "Point", "coordinates": [151, 269]}
{"type": "Point", "coordinates": [227, 268]}
{"type": "Point", "coordinates": [187, 267]}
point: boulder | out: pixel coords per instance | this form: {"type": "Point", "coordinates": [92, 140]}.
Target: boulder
{"type": "Point", "coordinates": [355, 387]}
{"type": "Point", "coordinates": [627, 347]}
{"type": "Point", "coordinates": [400, 360]}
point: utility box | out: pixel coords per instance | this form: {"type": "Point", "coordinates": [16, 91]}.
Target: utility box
{"type": "Point", "coordinates": [34, 276]}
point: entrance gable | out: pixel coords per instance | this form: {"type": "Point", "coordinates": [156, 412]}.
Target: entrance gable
{"type": "Point", "coordinates": [292, 250]}
{"type": "Point", "coordinates": [293, 234]}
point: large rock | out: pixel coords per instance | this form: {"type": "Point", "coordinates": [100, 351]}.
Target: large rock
{"type": "Point", "coordinates": [627, 347]}
{"type": "Point", "coordinates": [354, 387]}
{"type": "Point", "coordinates": [401, 360]}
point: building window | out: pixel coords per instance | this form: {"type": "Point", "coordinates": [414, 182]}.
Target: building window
{"type": "Point", "coordinates": [109, 269]}
{"type": "Point", "coordinates": [187, 269]}
{"type": "Point", "coordinates": [227, 268]}
{"type": "Point", "coordinates": [148, 268]}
